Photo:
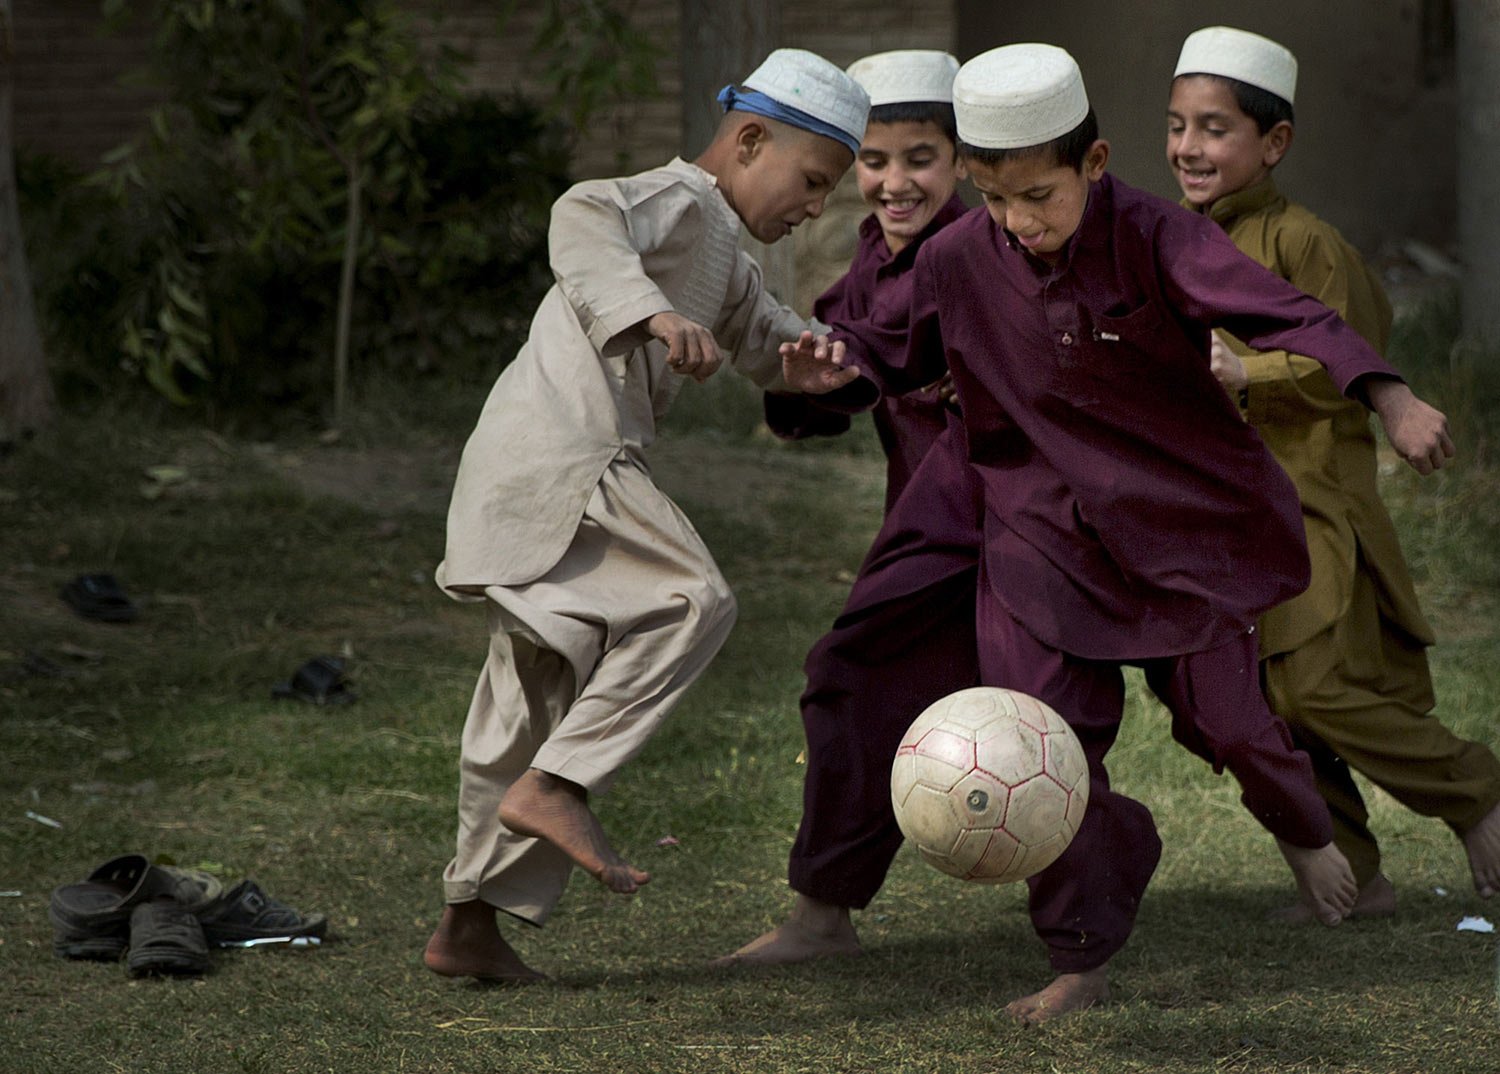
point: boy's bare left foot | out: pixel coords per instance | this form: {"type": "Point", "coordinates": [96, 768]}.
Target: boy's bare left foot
{"type": "Point", "coordinates": [466, 943]}
{"type": "Point", "coordinates": [1067, 993]}
{"type": "Point", "coordinates": [1483, 845]}
{"type": "Point", "coordinates": [1376, 899]}
{"type": "Point", "coordinates": [814, 929]}
{"type": "Point", "coordinates": [1324, 878]}
{"type": "Point", "coordinates": [549, 807]}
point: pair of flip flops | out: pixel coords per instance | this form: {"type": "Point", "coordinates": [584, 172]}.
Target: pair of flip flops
{"type": "Point", "coordinates": [100, 597]}
{"type": "Point", "coordinates": [129, 905]}
{"type": "Point", "coordinates": [320, 681]}
{"type": "Point", "coordinates": [164, 919]}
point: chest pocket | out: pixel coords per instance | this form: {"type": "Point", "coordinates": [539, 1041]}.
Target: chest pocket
{"type": "Point", "coordinates": [1118, 355]}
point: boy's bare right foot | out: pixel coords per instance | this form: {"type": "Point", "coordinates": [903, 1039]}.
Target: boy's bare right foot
{"type": "Point", "coordinates": [813, 929]}
{"type": "Point", "coordinates": [466, 943]}
{"type": "Point", "coordinates": [1324, 878]}
{"type": "Point", "coordinates": [1376, 899]}
{"type": "Point", "coordinates": [1067, 993]}
{"type": "Point", "coordinates": [1483, 845]}
{"type": "Point", "coordinates": [549, 807]}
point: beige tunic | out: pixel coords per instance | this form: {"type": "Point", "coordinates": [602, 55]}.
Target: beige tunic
{"type": "Point", "coordinates": [621, 251]}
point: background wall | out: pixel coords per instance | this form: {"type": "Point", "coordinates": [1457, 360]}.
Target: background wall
{"type": "Point", "coordinates": [1374, 152]}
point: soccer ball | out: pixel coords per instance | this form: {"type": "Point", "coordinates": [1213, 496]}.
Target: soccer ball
{"type": "Point", "coordinates": [990, 785]}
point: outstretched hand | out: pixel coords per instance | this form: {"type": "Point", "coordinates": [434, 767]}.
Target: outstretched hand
{"type": "Point", "coordinates": [815, 365]}
{"type": "Point", "coordinates": [1227, 367]}
{"type": "Point", "coordinates": [691, 348]}
{"type": "Point", "coordinates": [1418, 432]}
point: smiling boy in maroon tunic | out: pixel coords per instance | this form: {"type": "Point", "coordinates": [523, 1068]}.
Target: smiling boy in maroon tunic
{"type": "Point", "coordinates": [1130, 516]}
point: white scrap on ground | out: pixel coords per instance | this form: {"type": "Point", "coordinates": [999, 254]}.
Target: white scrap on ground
{"type": "Point", "coordinates": [1475, 924]}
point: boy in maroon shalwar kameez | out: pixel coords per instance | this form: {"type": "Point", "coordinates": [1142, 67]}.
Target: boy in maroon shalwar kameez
{"type": "Point", "coordinates": [1130, 516]}
{"type": "Point", "coordinates": [906, 634]}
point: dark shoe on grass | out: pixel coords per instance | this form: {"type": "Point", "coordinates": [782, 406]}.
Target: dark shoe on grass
{"type": "Point", "coordinates": [165, 937]}
{"type": "Point", "coordinates": [91, 918]}
{"type": "Point", "coordinates": [101, 597]}
{"type": "Point", "coordinates": [246, 913]}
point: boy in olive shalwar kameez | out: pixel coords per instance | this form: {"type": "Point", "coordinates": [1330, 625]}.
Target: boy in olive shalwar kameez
{"type": "Point", "coordinates": [1343, 662]}
{"type": "Point", "coordinates": [603, 603]}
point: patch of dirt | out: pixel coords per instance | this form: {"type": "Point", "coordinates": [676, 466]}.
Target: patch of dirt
{"type": "Point", "coordinates": [384, 480]}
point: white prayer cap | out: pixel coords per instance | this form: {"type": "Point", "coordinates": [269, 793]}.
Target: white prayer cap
{"type": "Point", "coordinates": [905, 75]}
{"type": "Point", "coordinates": [1018, 96]}
{"type": "Point", "coordinates": [807, 82]}
{"type": "Point", "coordinates": [1239, 54]}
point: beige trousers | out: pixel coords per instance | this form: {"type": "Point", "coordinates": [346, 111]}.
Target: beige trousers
{"type": "Point", "coordinates": [584, 664]}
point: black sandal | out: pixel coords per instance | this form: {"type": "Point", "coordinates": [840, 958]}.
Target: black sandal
{"type": "Point", "coordinates": [320, 681]}
{"type": "Point", "coordinates": [99, 596]}
{"type": "Point", "coordinates": [165, 937]}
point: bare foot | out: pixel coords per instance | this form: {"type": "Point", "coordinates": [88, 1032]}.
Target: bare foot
{"type": "Point", "coordinates": [548, 807]}
{"type": "Point", "coordinates": [1323, 877]}
{"type": "Point", "coordinates": [1483, 844]}
{"type": "Point", "coordinates": [467, 944]}
{"type": "Point", "coordinates": [1067, 993]}
{"type": "Point", "coordinates": [813, 929]}
{"type": "Point", "coordinates": [1376, 899]}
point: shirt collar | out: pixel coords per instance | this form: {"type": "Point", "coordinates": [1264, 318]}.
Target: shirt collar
{"type": "Point", "coordinates": [870, 234]}
{"type": "Point", "coordinates": [1231, 207]}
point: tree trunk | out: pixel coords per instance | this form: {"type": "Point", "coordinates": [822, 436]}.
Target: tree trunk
{"type": "Point", "coordinates": [25, 388]}
{"type": "Point", "coordinates": [722, 41]}
{"type": "Point", "coordinates": [1477, 26]}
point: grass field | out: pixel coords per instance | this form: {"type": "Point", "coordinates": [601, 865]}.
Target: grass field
{"type": "Point", "coordinates": [247, 557]}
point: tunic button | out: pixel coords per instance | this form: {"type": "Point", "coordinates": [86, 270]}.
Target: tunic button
{"type": "Point", "coordinates": [1067, 339]}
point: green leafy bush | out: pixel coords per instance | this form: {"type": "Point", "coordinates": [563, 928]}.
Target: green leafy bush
{"type": "Point", "coordinates": [314, 186]}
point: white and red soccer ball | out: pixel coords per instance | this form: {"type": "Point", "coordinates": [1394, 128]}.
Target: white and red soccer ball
{"type": "Point", "coordinates": [990, 785]}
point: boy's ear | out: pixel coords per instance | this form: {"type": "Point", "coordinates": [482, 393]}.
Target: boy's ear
{"type": "Point", "coordinates": [1095, 160]}
{"type": "Point", "coordinates": [749, 140]}
{"type": "Point", "coordinates": [1275, 143]}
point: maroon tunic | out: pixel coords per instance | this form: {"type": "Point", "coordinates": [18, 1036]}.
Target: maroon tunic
{"type": "Point", "coordinates": [1130, 512]}
{"type": "Point", "coordinates": [906, 424]}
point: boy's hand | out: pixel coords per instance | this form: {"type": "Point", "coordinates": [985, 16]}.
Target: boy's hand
{"type": "Point", "coordinates": [1226, 366]}
{"type": "Point", "coordinates": [814, 365]}
{"type": "Point", "coordinates": [1418, 432]}
{"type": "Point", "coordinates": [947, 394]}
{"type": "Point", "coordinates": [691, 348]}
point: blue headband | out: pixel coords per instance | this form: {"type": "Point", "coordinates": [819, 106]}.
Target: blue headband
{"type": "Point", "coordinates": [762, 105]}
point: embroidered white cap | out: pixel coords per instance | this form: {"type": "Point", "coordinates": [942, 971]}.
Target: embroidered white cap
{"type": "Point", "coordinates": [916, 74]}
{"type": "Point", "coordinates": [807, 82]}
{"type": "Point", "coordinates": [1018, 96]}
{"type": "Point", "coordinates": [1239, 54]}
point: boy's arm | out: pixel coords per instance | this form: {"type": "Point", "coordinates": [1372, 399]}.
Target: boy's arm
{"type": "Point", "coordinates": [1289, 386]}
{"type": "Point", "coordinates": [1208, 280]}
{"type": "Point", "coordinates": [754, 324]}
{"type": "Point", "coordinates": [895, 350]}
{"type": "Point", "coordinates": [799, 415]}
{"type": "Point", "coordinates": [597, 264]}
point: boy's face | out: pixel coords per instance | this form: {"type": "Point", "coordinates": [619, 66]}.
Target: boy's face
{"type": "Point", "coordinates": [785, 176]}
{"type": "Point", "coordinates": [1038, 200]}
{"type": "Point", "coordinates": [907, 171]}
{"type": "Point", "coordinates": [1214, 148]}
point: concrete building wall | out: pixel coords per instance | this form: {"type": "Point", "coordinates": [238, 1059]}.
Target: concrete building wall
{"type": "Point", "coordinates": [1374, 152]}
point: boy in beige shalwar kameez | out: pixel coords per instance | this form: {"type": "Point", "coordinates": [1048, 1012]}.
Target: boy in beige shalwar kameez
{"type": "Point", "coordinates": [603, 603]}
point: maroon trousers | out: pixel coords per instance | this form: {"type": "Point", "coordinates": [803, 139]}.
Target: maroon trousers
{"type": "Point", "coordinates": [1083, 905]}
{"type": "Point", "coordinates": [904, 639]}
{"type": "Point", "coordinates": [922, 622]}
